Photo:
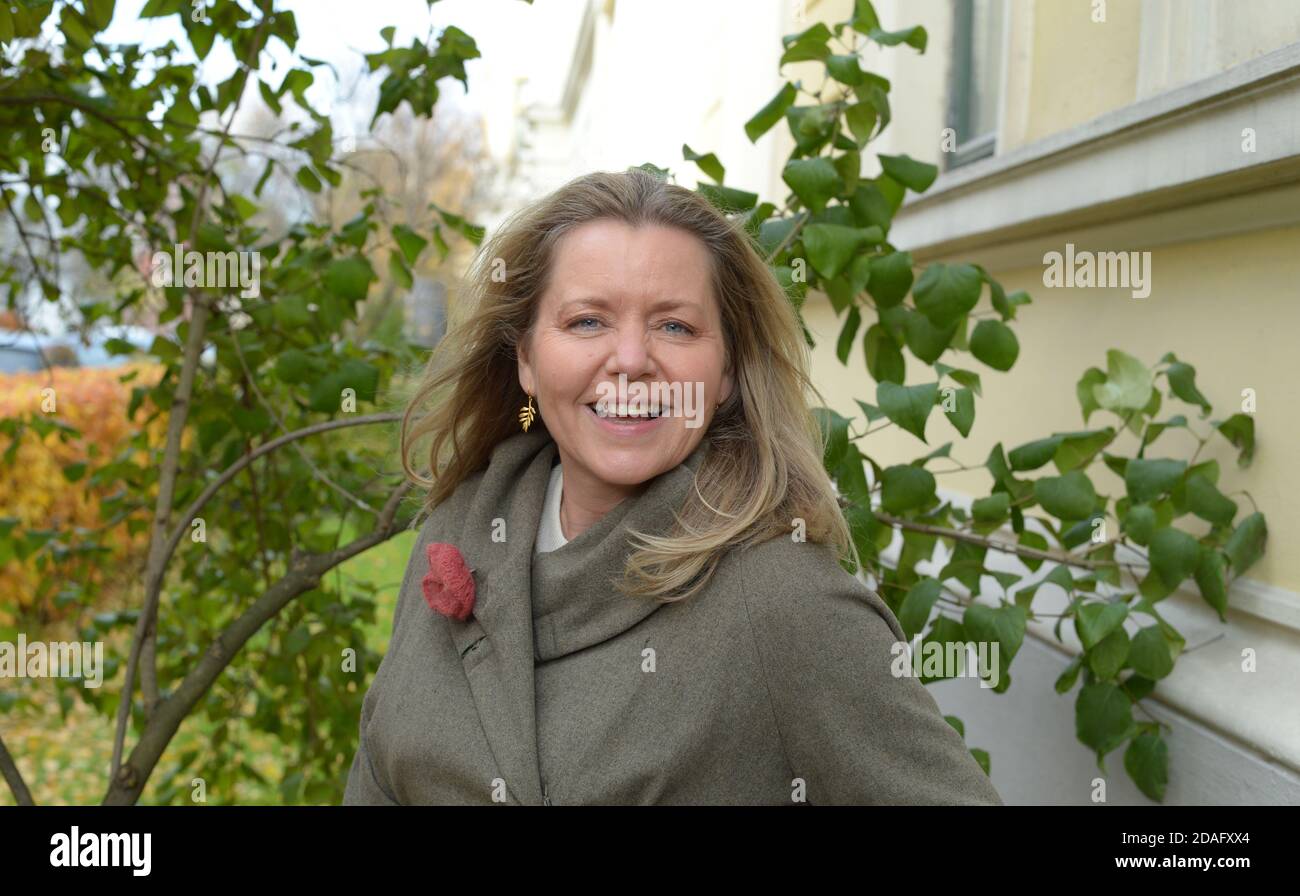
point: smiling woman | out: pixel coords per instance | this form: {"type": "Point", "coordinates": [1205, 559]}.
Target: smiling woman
{"type": "Point", "coordinates": [665, 638]}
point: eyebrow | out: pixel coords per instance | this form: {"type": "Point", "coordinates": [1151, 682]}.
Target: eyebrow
{"type": "Point", "coordinates": [598, 302]}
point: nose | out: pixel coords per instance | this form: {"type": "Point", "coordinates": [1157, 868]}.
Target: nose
{"type": "Point", "coordinates": [630, 355]}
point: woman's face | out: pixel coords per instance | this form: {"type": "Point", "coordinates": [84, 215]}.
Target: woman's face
{"type": "Point", "coordinates": [633, 302]}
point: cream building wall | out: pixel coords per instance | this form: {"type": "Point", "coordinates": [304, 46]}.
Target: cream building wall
{"type": "Point", "coordinates": [1125, 134]}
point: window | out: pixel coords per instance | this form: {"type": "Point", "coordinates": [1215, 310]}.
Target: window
{"type": "Point", "coordinates": [976, 78]}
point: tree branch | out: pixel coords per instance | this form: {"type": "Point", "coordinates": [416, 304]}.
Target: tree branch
{"type": "Point", "coordinates": [14, 778]}
{"type": "Point", "coordinates": [143, 645]}
{"type": "Point", "coordinates": [304, 573]}
{"type": "Point", "coordinates": [1000, 546]}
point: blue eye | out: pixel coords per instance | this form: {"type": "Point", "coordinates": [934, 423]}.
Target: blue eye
{"type": "Point", "coordinates": [583, 320]}
{"type": "Point", "coordinates": [685, 329]}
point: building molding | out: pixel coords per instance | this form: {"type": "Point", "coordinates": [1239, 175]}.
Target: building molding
{"type": "Point", "coordinates": [1176, 150]}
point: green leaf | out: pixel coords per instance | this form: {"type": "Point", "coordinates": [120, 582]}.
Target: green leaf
{"type": "Point", "coordinates": [1108, 656]}
{"type": "Point", "coordinates": [1149, 655]}
{"type": "Point", "coordinates": [100, 13]}
{"type": "Point", "coordinates": [814, 181]}
{"type": "Point", "coordinates": [291, 312]}
{"type": "Point", "coordinates": [812, 126]}
{"type": "Point", "coordinates": [1207, 502]}
{"type": "Point", "coordinates": [251, 421]}
{"type": "Point", "coordinates": [1148, 479]}
{"type": "Point", "coordinates": [293, 366]}
{"type": "Point", "coordinates": [995, 344]}
{"type": "Point", "coordinates": [993, 509]}
{"type": "Point", "coordinates": [1004, 626]}
{"type": "Point", "coordinates": [349, 278]}
{"type": "Point", "coordinates": [1239, 429]}
{"type": "Point", "coordinates": [962, 415]}
{"type": "Point", "coordinates": [845, 69]}
{"type": "Point", "coordinates": [1068, 677]}
{"type": "Point", "coordinates": [807, 45]}
{"type": "Point", "coordinates": [1096, 619]}
{"type": "Point", "coordinates": [870, 411]}
{"type": "Point", "coordinates": [914, 37]}
{"type": "Point", "coordinates": [1032, 455]}
{"type": "Point", "coordinates": [327, 393]}
{"type": "Point", "coordinates": [1212, 581]}
{"type": "Point", "coordinates": [891, 278]}
{"type": "Point", "coordinates": [916, 176]}
{"type": "Point", "coordinates": [410, 242]}
{"type": "Point", "coordinates": [908, 406]}
{"type": "Point", "coordinates": [1137, 687]}
{"type": "Point", "coordinates": [917, 606]}
{"type": "Point", "coordinates": [728, 199]}
{"type": "Point", "coordinates": [1030, 539]}
{"type": "Point", "coordinates": [946, 292]}
{"type": "Point", "coordinates": [74, 27]}
{"type": "Point", "coordinates": [1127, 386]}
{"type": "Point", "coordinates": [1140, 523]}
{"type": "Point", "coordinates": [1103, 716]}
{"type": "Point", "coordinates": [708, 163]}
{"type": "Point", "coordinates": [1246, 543]}
{"type": "Point", "coordinates": [1174, 555]}
{"type": "Point", "coordinates": [308, 179]}
{"type": "Point", "coordinates": [905, 487]}
{"type": "Point", "coordinates": [770, 114]}
{"type": "Point", "coordinates": [864, 19]}
{"type": "Point", "coordinates": [1091, 378]}
{"type": "Point", "coordinates": [968, 378]}
{"type": "Point", "coordinates": [1066, 497]}
{"type": "Point", "coordinates": [398, 270]}
{"type": "Point", "coordinates": [1078, 449]}
{"type": "Point", "coordinates": [1147, 762]}
{"type": "Point", "coordinates": [848, 333]}
{"type": "Point", "coordinates": [1182, 382]}
{"type": "Point", "coordinates": [926, 340]}
{"type": "Point", "coordinates": [884, 357]}
{"type": "Point", "coordinates": [831, 246]}
{"type": "Point", "coordinates": [861, 119]}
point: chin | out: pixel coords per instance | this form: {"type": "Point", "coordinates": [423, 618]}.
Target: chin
{"type": "Point", "coordinates": [626, 468]}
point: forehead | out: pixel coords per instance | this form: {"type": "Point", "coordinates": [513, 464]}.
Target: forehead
{"type": "Point", "coordinates": [620, 261]}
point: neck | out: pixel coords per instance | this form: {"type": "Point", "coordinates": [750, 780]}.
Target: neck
{"type": "Point", "coordinates": [583, 503]}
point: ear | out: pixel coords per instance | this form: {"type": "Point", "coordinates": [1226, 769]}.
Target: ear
{"type": "Point", "coordinates": [527, 378]}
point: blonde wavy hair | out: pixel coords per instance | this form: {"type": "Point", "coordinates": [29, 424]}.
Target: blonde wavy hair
{"type": "Point", "coordinates": [763, 467]}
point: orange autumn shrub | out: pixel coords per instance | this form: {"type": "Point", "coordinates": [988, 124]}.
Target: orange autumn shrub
{"type": "Point", "coordinates": [35, 492]}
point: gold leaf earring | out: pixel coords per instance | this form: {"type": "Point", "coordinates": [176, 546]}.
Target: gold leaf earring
{"type": "Point", "coordinates": [526, 414]}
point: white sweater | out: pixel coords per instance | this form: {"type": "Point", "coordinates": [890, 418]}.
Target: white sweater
{"type": "Point", "coordinates": [549, 534]}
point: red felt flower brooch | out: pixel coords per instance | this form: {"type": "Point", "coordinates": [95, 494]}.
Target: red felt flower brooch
{"type": "Point", "coordinates": [449, 584]}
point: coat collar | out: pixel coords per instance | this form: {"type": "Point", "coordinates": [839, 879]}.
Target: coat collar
{"type": "Point", "coordinates": [568, 589]}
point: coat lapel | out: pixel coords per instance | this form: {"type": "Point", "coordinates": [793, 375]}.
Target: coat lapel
{"type": "Point", "coordinates": [496, 642]}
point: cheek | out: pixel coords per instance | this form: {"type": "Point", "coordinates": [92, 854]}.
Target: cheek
{"type": "Point", "coordinates": [564, 370]}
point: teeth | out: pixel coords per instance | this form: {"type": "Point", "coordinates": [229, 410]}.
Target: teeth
{"type": "Point", "coordinates": [624, 414]}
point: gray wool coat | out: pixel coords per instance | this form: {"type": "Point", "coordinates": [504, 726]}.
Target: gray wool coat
{"type": "Point", "coordinates": [771, 685]}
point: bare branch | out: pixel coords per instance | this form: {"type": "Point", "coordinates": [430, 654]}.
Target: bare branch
{"type": "Point", "coordinates": [1000, 546]}
{"type": "Point", "coordinates": [14, 777]}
